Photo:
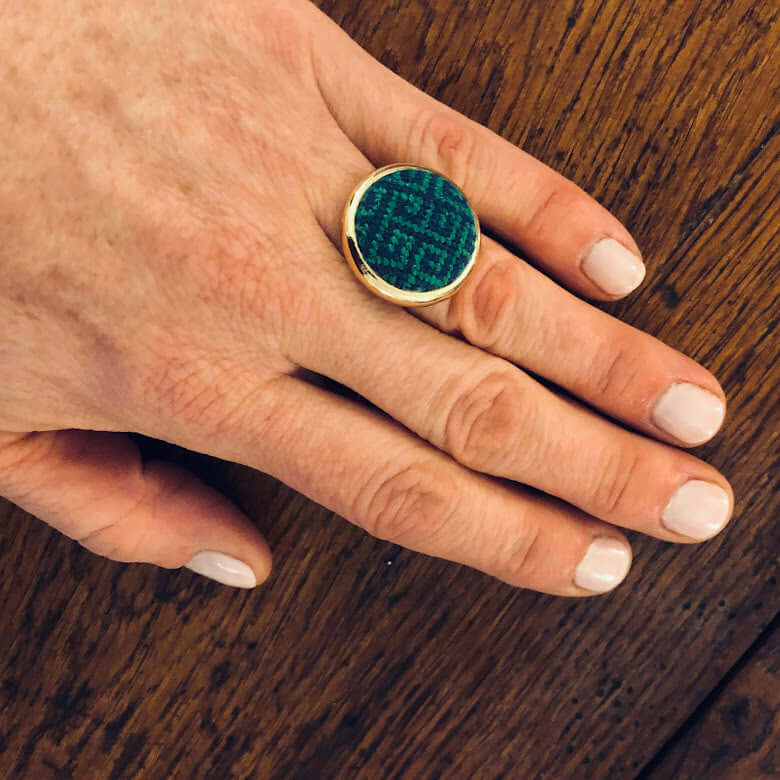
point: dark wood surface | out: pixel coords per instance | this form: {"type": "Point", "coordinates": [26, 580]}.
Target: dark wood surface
{"type": "Point", "coordinates": [359, 659]}
{"type": "Point", "coordinates": [736, 734]}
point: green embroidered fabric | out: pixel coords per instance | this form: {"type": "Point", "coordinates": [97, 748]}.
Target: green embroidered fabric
{"type": "Point", "coordinates": [415, 229]}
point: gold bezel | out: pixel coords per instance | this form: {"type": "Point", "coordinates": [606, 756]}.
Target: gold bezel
{"type": "Point", "coordinates": [368, 276]}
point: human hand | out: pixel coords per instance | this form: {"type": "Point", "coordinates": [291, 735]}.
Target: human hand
{"type": "Point", "coordinates": [173, 179]}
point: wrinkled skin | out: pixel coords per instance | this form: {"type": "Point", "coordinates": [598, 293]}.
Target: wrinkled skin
{"type": "Point", "coordinates": [173, 177]}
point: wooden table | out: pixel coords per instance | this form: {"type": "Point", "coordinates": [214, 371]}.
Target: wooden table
{"type": "Point", "coordinates": [362, 659]}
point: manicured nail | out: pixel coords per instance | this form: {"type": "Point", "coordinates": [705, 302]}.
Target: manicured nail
{"type": "Point", "coordinates": [223, 568]}
{"type": "Point", "coordinates": [604, 566]}
{"type": "Point", "coordinates": [698, 510]}
{"type": "Point", "coordinates": [689, 413]}
{"type": "Point", "coordinates": [613, 268]}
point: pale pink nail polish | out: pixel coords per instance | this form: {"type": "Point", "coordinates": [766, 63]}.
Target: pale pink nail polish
{"type": "Point", "coordinates": [223, 568]}
{"type": "Point", "coordinates": [604, 566]}
{"type": "Point", "coordinates": [613, 268]}
{"type": "Point", "coordinates": [698, 509]}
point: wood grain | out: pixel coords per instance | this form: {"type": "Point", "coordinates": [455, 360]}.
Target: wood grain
{"type": "Point", "coordinates": [359, 659]}
{"type": "Point", "coordinates": [737, 733]}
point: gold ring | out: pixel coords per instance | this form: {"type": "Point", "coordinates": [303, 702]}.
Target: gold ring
{"type": "Point", "coordinates": [410, 235]}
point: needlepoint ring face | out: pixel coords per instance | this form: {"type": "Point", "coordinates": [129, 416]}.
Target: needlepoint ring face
{"type": "Point", "coordinates": [410, 235]}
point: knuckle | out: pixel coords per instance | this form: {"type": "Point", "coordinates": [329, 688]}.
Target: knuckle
{"type": "Point", "coordinates": [519, 559]}
{"type": "Point", "coordinates": [111, 541]}
{"type": "Point", "coordinates": [414, 503]}
{"type": "Point", "coordinates": [561, 198]}
{"type": "Point", "coordinates": [283, 30]}
{"type": "Point", "coordinates": [615, 371]}
{"type": "Point", "coordinates": [119, 533]}
{"type": "Point", "coordinates": [479, 421]}
{"type": "Point", "coordinates": [487, 307]}
{"type": "Point", "coordinates": [129, 535]}
{"type": "Point", "coordinates": [615, 478]}
{"type": "Point", "coordinates": [447, 143]}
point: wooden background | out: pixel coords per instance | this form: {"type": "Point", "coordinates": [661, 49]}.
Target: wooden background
{"type": "Point", "coordinates": [360, 659]}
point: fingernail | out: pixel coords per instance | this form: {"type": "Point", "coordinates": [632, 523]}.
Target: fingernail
{"type": "Point", "coordinates": [223, 568]}
{"type": "Point", "coordinates": [689, 413]}
{"type": "Point", "coordinates": [604, 566]}
{"type": "Point", "coordinates": [698, 510]}
{"type": "Point", "coordinates": [613, 268]}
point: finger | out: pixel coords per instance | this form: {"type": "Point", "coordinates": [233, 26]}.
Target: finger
{"type": "Point", "coordinates": [552, 220]}
{"type": "Point", "coordinates": [94, 488]}
{"type": "Point", "coordinates": [367, 468]}
{"type": "Point", "coordinates": [494, 418]}
{"type": "Point", "coordinates": [512, 310]}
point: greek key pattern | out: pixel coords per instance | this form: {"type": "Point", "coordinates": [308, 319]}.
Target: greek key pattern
{"type": "Point", "coordinates": [416, 230]}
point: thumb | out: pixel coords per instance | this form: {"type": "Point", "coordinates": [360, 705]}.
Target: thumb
{"type": "Point", "coordinates": [94, 488]}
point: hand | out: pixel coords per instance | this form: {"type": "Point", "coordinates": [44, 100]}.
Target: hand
{"type": "Point", "coordinates": [171, 193]}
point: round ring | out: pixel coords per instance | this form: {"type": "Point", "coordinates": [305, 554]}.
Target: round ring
{"type": "Point", "coordinates": [410, 235]}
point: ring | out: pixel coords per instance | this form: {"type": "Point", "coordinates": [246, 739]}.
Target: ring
{"type": "Point", "coordinates": [410, 235]}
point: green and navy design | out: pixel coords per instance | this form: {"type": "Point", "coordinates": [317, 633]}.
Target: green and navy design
{"type": "Point", "coordinates": [414, 230]}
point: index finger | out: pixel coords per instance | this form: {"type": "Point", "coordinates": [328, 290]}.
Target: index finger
{"type": "Point", "coordinates": [548, 217]}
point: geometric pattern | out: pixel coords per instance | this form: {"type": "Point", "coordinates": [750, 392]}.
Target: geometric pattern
{"type": "Point", "coordinates": [415, 229]}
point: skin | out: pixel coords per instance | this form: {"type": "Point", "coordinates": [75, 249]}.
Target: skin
{"type": "Point", "coordinates": [173, 179]}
